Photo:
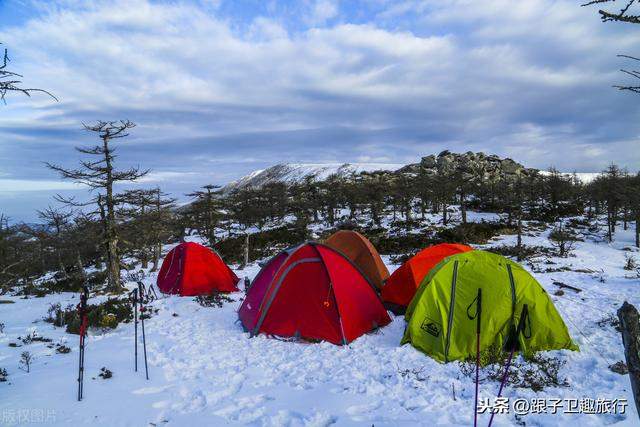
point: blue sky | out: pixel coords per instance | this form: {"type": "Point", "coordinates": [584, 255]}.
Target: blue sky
{"type": "Point", "coordinates": [221, 88]}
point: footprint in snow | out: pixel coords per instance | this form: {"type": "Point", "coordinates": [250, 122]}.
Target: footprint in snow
{"type": "Point", "coordinates": [150, 390]}
{"type": "Point", "coordinates": [362, 409]}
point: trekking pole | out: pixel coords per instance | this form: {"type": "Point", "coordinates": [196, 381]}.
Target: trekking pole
{"type": "Point", "coordinates": [82, 312]}
{"type": "Point", "coordinates": [144, 338]}
{"type": "Point", "coordinates": [514, 344]}
{"type": "Point", "coordinates": [135, 326]}
{"type": "Point", "coordinates": [151, 293]}
{"type": "Point", "coordinates": [478, 316]}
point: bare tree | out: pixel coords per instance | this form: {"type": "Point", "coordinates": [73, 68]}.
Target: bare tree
{"type": "Point", "coordinates": [162, 214]}
{"type": "Point", "coordinates": [26, 358]}
{"type": "Point", "coordinates": [57, 221]}
{"type": "Point", "coordinates": [563, 239]}
{"type": "Point", "coordinates": [136, 213]}
{"type": "Point", "coordinates": [626, 15]}
{"type": "Point", "coordinates": [10, 81]}
{"type": "Point", "coordinates": [100, 176]}
{"type": "Point", "coordinates": [206, 211]}
{"type": "Point", "coordinates": [623, 15]}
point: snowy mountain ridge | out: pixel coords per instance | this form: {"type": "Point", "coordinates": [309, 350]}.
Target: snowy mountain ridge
{"type": "Point", "coordinates": [293, 173]}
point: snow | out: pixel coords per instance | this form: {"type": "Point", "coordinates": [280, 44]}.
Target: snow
{"type": "Point", "coordinates": [297, 172]}
{"type": "Point", "coordinates": [205, 370]}
{"type": "Point", "coordinates": [584, 177]}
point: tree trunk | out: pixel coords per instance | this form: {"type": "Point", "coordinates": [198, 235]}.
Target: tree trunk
{"type": "Point", "coordinates": [113, 268]}
{"type": "Point", "coordinates": [519, 238]}
{"type": "Point", "coordinates": [61, 265]}
{"type": "Point", "coordinates": [144, 259]}
{"type": "Point", "coordinates": [638, 230]}
{"type": "Point", "coordinates": [157, 251]}
{"type": "Point", "coordinates": [246, 250]}
{"type": "Point", "coordinates": [463, 207]}
{"type": "Point", "coordinates": [630, 324]}
{"type": "Point", "coordinates": [445, 220]}
{"type": "Point", "coordinates": [374, 214]}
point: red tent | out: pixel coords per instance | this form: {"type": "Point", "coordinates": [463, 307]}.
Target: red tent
{"type": "Point", "coordinates": [191, 269]}
{"type": "Point", "coordinates": [401, 286]}
{"type": "Point", "coordinates": [315, 293]}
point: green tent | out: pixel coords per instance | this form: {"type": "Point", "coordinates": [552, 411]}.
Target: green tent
{"type": "Point", "coordinates": [440, 318]}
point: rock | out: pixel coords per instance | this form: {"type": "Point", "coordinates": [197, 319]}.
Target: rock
{"type": "Point", "coordinates": [619, 368]}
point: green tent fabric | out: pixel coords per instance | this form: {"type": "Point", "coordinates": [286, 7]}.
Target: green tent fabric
{"type": "Point", "coordinates": [438, 318]}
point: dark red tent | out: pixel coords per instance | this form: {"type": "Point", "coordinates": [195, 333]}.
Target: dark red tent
{"type": "Point", "coordinates": [314, 293]}
{"type": "Point", "coordinates": [191, 269]}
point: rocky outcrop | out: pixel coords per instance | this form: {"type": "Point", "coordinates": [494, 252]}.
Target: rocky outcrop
{"type": "Point", "coordinates": [467, 165]}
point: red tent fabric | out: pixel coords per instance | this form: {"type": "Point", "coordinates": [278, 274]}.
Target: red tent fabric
{"type": "Point", "coordinates": [399, 289]}
{"type": "Point", "coordinates": [314, 293]}
{"type": "Point", "coordinates": [191, 269]}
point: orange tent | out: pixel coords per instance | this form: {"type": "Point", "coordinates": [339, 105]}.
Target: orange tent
{"type": "Point", "coordinates": [400, 288]}
{"type": "Point", "coordinates": [362, 253]}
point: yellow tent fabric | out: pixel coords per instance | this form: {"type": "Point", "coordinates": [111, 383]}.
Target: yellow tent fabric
{"type": "Point", "coordinates": [440, 316]}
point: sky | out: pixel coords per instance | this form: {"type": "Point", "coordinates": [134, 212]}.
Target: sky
{"type": "Point", "coordinates": [220, 88]}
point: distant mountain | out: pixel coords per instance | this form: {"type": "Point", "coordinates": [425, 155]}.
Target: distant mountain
{"type": "Point", "coordinates": [292, 173]}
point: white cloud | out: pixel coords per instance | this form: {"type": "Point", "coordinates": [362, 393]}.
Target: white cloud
{"type": "Point", "coordinates": [464, 75]}
{"type": "Point", "coordinates": [323, 10]}
{"type": "Point", "coordinates": [20, 185]}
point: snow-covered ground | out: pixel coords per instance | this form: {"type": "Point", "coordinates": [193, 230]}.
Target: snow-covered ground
{"type": "Point", "coordinates": [205, 370]}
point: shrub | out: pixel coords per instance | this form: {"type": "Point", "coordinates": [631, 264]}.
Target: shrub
{"type": "Point", "coordinates": [563, 239]}
{"type": "Point", "coordinates": [26, 359]}
{"type": "Point", "coordinates": [71, 283]}
{"type": "Point", "coordinates": [106, 315]}
{"type": "Point", "coordinates": [524, 251]}
{"type": "Point", "coordinates": [3, 375]}
{"type": "Point", "coordinates": [534, 371]}
{"type": "Point", "coordinates": [472, 232]}
{"type": "Point", "coordinates": [262, 244]}
{"type": "Point", "coordinates": [408, 243]}
{"type": "Point", "coordinates": [109, 321]}
{"type": "Point", "coordinates": [62, 349]}
{"type": "Point", "coordinates": [630, 263]}
{"type": "Point", "coordinates": [105, 373]}
{"type": "Point", "coordinates": [216, 299]}
{"type": "Point", "coordinates": [32, 337]}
